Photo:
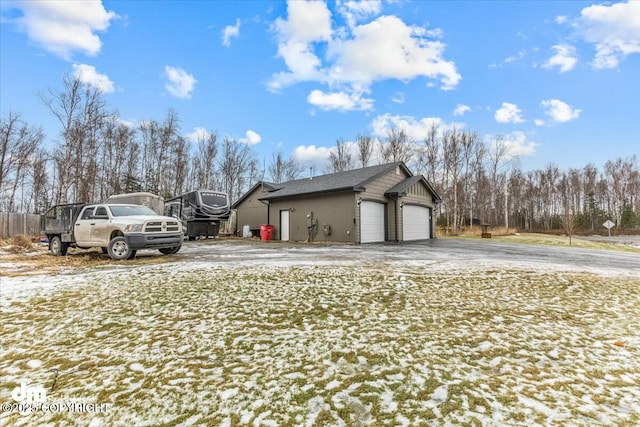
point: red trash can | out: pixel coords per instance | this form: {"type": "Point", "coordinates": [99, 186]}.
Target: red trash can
{"type": "Point", "coordinates": [266, 231]}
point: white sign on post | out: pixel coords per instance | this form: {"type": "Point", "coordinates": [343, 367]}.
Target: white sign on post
{"type": "Point", "coordinates": [608, 224]}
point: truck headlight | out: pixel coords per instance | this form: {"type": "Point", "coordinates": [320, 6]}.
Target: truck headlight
{"type": "Point", "coordinates": [133, 228]}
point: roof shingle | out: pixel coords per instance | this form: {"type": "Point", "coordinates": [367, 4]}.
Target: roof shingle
{"type": "Point", "coordinates": [353, 180]}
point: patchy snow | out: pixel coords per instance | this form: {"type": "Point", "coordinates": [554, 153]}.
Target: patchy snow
{"type": "Point", "coordinates": [34, 364]}
{"type": "Point", "coordinates": [304, 338]}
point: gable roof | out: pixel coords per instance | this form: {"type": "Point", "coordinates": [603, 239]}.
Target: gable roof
{"type": "Point", "coordinates": [400, 189]}
{"type": "Point", "coordinates": [352, 180]}
{"type": "Point", "coordinates": [269, 186]}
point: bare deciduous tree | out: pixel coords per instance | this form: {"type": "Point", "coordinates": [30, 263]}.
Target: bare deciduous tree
{"type": "Point", "coordinates": [81, 111]}
{"type": "Point", "coordinates": [281, 170]}
{"type": "Point", "coordinates": [204, 161]}
{"type": "Point", "coordinates": [365, 148]}
{"type": "Point", "coordinates": [19, 142]}
{"type": "Point", "coordinates": [340, 158]}
{"type": "Point", "coordinates": [234, 166]}
{"type": "Point", "coordinates": [397, 148]}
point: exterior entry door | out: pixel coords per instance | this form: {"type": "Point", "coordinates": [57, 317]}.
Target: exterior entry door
{"type": "Point", "coordinates": [284, 225]}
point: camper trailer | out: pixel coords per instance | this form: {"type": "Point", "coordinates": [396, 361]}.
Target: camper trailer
{"type": "Point", "coordinates": [201, 212]}
{"type": "Point", "coordinates": [150, 200]}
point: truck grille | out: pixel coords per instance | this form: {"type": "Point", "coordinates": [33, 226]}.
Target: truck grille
{"type": "Point", "coordinates": [161, 227]}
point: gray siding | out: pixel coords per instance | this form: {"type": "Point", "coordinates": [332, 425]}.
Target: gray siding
{"type": "Point", "coordinates": [375, 190]}
{"type": "Point", "coordinates": [336, 210]}
{"type": "Point", "coordinates": [252, 211]}
{"type": "Point", "coordinates": [339, 211]}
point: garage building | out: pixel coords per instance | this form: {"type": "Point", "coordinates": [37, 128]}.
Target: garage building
{"type": "Point", "coordinates": [368, 205]}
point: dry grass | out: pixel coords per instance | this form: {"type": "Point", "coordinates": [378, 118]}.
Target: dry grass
{"type": "Point", "coordinates": [475, 231]}
{"type": "Point", "coordinates": [18, 244]}
{"type": "Point", "coordinates": [346, 345]}
{"type": "Point", "coordinates": [22, 241]}
{"type": "Point", "coordinates": [40, 261]}
{"type": "Point", "coordinates": [563, 241]}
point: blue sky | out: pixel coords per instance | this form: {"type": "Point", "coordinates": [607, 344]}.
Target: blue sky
{"type": "Point", "coordinates": [560, 81]}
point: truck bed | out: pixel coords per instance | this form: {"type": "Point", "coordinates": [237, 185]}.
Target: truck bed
{"type": "Point", "coordinates": [61, 218]}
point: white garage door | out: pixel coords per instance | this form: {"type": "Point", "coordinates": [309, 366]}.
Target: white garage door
{"type": "Point", "coordinates": [415, 223]}
{"type": "Point", "coordinates": [371, 222]}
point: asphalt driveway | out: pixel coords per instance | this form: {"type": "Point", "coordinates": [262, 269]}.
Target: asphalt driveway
{"type": "Point", "coordinates": [440, 253]}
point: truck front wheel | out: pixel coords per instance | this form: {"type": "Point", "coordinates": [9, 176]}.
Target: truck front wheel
{"type": "Point", "coordinates": [57, 247]}
{"type": "Point", "coordinates": [170, 251]}
{"type": "Point", "coordinates": [119, 249]}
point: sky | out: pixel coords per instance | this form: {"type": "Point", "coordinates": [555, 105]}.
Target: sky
{"type": "Point", "coordinates": [558, 80]}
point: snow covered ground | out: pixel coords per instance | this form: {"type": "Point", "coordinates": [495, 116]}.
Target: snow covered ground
{"type": "Point", "coordinates": [242, 334]}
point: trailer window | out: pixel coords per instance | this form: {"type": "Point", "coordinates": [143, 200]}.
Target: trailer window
{"type": "Point", "coordinates": [212, 199]}
{"type": "Point", "coordinates": [131, 210]}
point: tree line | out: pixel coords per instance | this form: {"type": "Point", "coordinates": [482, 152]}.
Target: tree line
{"type": "Point", "coordinates": [97, 155]}
{"type": "Point", "coordinates": [481, 182]}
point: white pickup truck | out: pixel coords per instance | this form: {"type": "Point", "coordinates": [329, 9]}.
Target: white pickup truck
{"type": "Point", "coordinates": [119, 229]}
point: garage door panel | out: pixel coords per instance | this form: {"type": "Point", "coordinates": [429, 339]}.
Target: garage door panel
{"type": "Point", "coordinates": [371, 222]}
{"type": "Point", "coordinates": [416, 224]}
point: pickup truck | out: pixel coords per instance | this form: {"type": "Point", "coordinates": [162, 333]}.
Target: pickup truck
{"type": "Point", "coordinates": [119, 229]}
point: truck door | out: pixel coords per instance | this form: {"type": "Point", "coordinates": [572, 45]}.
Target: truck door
{"type": "Point", "coordinates": [99, 226]}
{"type": "Point", "coordinates": [82, 227]}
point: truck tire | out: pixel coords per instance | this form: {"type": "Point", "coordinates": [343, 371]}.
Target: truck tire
{"type": "Point", "coordinates": [57, 246]}
{"type": "Point", "coordinates": [170, 251]}
{"type": "Point", "coordinates": [119, 249]}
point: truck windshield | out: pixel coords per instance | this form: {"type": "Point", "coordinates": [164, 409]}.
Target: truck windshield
{"type": "Point", "coordinates": [131, 210]}
{"type": "Point", "coordinates": [213, 199]}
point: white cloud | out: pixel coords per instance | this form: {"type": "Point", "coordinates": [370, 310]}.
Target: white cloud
{"type": "Point", "coordinates": [87, 74]}
{"type": "Point", "coordinates": [613, 29]}
{"type": "Point", "coordinates": [229, 32]}
{"type": "Point", "coordinates": [198, 134]}
{"type": "Point", "coordinates": [565, 58]}
{"type": "Point", "coordinates": [559, 111]}
{"type": "Point", "coordinates": [398, 98]}
{"type": "Point", "coordinates": [128, 123]}
{"type": "Point", "coordinates": [341, 101]}
{"type": "Point", "coordinates": [509, 113]}
{"type": "Point", "coordinates": [561, 19]}
{"type": "Point", "coordinates": [416, 129]}
{"type": "Point", "coordinates": [64, 27]}
{"type": "Point", "coordinates": [358, 56]}
{"type": "Point", "coordinates": [539, 122]}
{"type": "Point", "coordinates": [516, 145]}
{"type": "Point", "coordinates": [387, 48]}
{"type": "Point", "coordinates": [521, 55]}
{"type": "Point", "coordinates": [251, 138]}
{"type": "Point", "coordinates": [509, 59]}
{"type": "Point", "coordinates": [180, 83]}
{"type": "Point", "coordinates": [312, 156]}
{"type": "Point", "coordinates": [357, 11]}
{"type": "Point", "coordinates": [461, 109]}
{"type": "Point", "coordinates": [307, 23]}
